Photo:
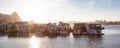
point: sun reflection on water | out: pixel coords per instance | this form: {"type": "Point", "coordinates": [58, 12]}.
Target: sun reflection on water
{"type": "Point", "coordinates": [34, 42]}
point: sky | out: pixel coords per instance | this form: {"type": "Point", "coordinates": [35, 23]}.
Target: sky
{"type": "Point", "coordinates": [43, 11]}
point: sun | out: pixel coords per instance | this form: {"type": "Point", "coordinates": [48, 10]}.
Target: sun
{"type": "Point", "coordinates": [41, 11]}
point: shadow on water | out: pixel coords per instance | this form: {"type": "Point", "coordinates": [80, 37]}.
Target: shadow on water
{"type": "Point", "coordinates": [2, 34]}
{"type": "Point", "coordinates": [52, 35]}
{"type": "Point", "coordinates": [94, 41]}
{"type": "Point", "coordinates": [77, 36]}
{"type": "Point", "coordinates": [56, 35]}
{"type": "Point", "coordinates": [87, 41]}
{"type": "Point", "coordinates": [89, 37]}
{"type": "Point", "coordinates": [63, 35]}
{"type": "Point", "coordinates": [13, 36]}
{"type": "Point", "coordinates": [61, 41]}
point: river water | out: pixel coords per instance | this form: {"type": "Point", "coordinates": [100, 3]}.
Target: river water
{"type": "Point", "coordinates": [111, 39]}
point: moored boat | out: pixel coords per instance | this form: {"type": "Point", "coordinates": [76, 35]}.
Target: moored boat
{"type": "Point", "coordinates": [64, 28]}
{"type": "Point", "coordinates": [79, 28]}
{"type": "Point", "coordinates": [87, 29]}
{"type": "Point", "coordinates": [39, 29]}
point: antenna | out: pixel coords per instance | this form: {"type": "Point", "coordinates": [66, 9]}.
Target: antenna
{"type": "Point", "coordinates": [63, 17]}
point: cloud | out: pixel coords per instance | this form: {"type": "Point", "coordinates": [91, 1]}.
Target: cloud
{"type": "Point", "coordinates": [91, 4]}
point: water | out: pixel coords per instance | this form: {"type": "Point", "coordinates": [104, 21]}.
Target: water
{"type": "Point", "coordinates": [111, 39]}
{"type": "Point", "coordinates": [112, 29]}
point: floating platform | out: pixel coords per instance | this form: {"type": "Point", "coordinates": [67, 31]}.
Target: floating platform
{"type": "Point", "coordinates": [89, 34]}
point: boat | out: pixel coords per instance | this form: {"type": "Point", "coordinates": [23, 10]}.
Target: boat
{"type": "Point", "coordinates": [87, 29]}
{"type": "Point", "coordinates": [51, 29]}
{"type": "Point", "coordinates": [3, 29]}
{"type": "Point", "coordinates": [79, 28]}
{"type": "Point", "coordinates": [64, 28]}
{"type": "Point", "coordinates": [12, 29]}
{"type": "Point", "coordinates": [19, 29]}
{"type": "Point", "coordinates": [94, 29]}
{"type": "Point", "coordinates": [39, 29]}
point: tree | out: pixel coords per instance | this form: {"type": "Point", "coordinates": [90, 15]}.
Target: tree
{"type": "Point", "coordinates": [15, 17]}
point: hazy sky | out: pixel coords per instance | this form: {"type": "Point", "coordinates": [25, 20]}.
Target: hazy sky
{"type": "Point", "coordinates": [57, 10]}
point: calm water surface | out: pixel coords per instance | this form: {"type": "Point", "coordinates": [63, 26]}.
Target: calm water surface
{"type": "Point", "coordinates": [111, 39]}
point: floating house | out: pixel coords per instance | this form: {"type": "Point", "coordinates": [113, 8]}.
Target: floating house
{"type": "Point", "coordinates": [79, 28]}
{"type": "Point", "coordinates": [95, 29]}
{"type": "Point", "coordinates": [87, 29]}
{"type": "Point", "coordinates": [3, 28]}
{"type": "Point", "coordinates": [39, 29]}
{"type": "Point", "coordinates": [19, 28]}
{"type": "Point", "coordinates": [23, 29]}
{"type": "Point", "coordinates": [51, 29]}
{"type": "Point", "coordinates": [12, 29]}
{"type": "Point", "coordinates": [64, 28]}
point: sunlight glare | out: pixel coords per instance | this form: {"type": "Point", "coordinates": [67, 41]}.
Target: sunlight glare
{"type": "Point", "coordinates": [34, 42]}
{"type": "Point", "coordinates": [38, 10]}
